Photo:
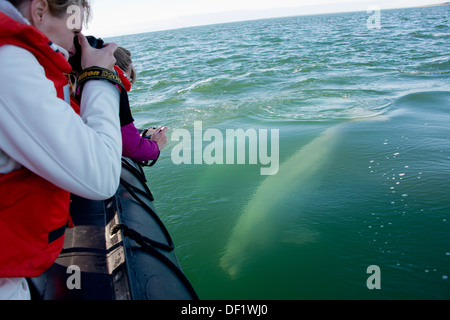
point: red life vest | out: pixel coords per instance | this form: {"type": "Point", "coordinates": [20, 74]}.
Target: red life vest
{"type": "Point", "coordinates": [33, 211]}
{"type": "Point", "coordinates": [125, 81]}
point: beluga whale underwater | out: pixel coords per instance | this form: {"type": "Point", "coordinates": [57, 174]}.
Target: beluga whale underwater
{"type": "Point", "coordinates": [261, 220]}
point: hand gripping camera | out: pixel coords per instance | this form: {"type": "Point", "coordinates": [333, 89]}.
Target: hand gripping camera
{"type": "Point", "coordinates": [75, 60]}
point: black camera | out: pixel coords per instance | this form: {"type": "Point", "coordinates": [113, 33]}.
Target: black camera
{"type": "Point", "coordinates": [75, 60]}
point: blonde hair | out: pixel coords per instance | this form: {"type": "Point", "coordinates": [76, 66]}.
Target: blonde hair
{"type": "Point", "coordinates": [123, 61]}
{"type": "Point", "coordinates": [59, 7]}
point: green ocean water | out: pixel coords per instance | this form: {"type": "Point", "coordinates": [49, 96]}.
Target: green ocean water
{"type": "Point", "coordinates": [364, 153]}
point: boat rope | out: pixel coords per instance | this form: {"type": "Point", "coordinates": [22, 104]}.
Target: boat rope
{"type": "Point", "coordinates": [139, 174]}
{"type": "Point", "coordinates": [148, 246]}
{"type": "Point", "coordinates": [132, 190]}
{"type": "Point", "coordinates": [139, 238]}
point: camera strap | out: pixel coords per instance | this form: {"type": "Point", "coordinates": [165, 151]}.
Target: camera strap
{"type": "Point", "coordinates": [96, 73]}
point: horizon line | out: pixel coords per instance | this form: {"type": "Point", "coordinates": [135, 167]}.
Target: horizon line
{"type": "Point", "coordinates": [256, 18]}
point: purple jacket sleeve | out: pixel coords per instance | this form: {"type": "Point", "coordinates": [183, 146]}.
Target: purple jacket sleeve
{"type": "Point", "coordinates": [136, 147]}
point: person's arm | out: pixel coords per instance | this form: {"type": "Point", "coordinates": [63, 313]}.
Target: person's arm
{"type": "Point", "coordinates": [41, 132]}
{"type": "Point", "coordinates": [137, 147]}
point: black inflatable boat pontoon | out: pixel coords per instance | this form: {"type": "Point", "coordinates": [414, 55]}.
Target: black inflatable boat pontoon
{"type": "Point", "coordinates": [118, 250]}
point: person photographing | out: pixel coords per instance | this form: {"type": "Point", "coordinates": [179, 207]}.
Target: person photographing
{"type": "Point", "coordinates": [139, 145]}
{"type": "Point", "coordinates": [47, 150]}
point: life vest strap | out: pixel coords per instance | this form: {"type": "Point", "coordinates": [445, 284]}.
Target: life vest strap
{"type": "Point", "coordinates": [58, 233]}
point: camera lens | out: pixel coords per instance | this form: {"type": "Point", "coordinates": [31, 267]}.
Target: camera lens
{"type": "Point", "coordinates": [75, 60]}
{"type": "Point", "coordinates": [97, 43]}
